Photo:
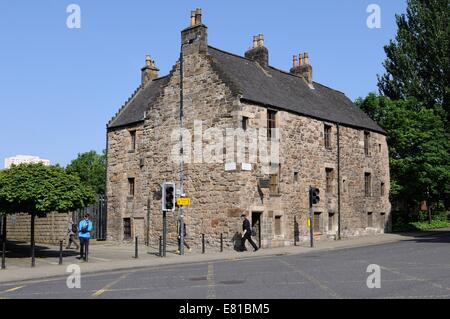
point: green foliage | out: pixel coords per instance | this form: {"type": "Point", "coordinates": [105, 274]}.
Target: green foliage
{"type": "Point", "coordinates": [418, 147]}
{"type": "Point", "coordinates": [36, 188]}
{"type": "Point", "coordinates": [421, 226]}
{"type": "Point", "coordinates": [90, 167]}
{"type": "Point", "coordinates": [417, 63]}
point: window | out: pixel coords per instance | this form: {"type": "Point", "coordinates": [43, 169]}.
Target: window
{"type": "Point", "coordinates": [382, 189]}
{"type": "Point", "coordinates": [271, 123]}
{"type": "Point", "coordinates": [126, 228]}
{"type": "Point", "coordinates": [277, 225]}
{"type": "Point", "coordinates": [344, 186]}
{"type": "Point", "coordinates": [133, 140]}
{"type": "Point", "coordinates": [366, 143]}
{"type": "Point", "coordinates": [330, 221]}
{"type": "Point", "coordinates": [379, 148]}
{"type": "Point", "coordinates": [369, 219]}
{"type": "Point", "coordinates": [367, 184]}
{"type": "Point", "coordinates": [317, 227]}
{"type": "Point", "coordinates": [244, 123]}
{"type": "Point", "coordinates": [295, 177]}
{"type": "Point", "coordinates": [329, 180]}
{"type": "Point", "coordinates": [274, 180]}
{"type": "Point", "coordinates": [131, 186]}
{"type": "Point", "coordinates": [327, 136]}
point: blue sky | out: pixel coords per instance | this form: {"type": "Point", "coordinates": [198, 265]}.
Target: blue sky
{"type": "Point", "coordinates": [60, 86]}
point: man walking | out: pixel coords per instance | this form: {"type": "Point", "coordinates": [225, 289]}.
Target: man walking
{"type": "Point", "coordinates": [72, 230]}
{"type": "Point", "coordinates": [85, 229]}
{"type": "Point", "coordinates": [247, 232]}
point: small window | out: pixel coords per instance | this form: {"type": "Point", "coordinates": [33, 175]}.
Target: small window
{"type": "Point", "coordinates": [244, 123]}
{"type": "Point", "coordinates": [367, 184]}
{"type": "Point", "coordinates": [133, 140]}
{"type": "Point", "coordinates": [126, 228]}
{"type": "Point", "coordinates": [295, 177]}
{"type": "Point", "coordinates": [271, 123]}
{"type": "Point", "coordinates": [275, 181]}
{"type": "Point", "coordinates": [366, 143]}
{"type": "Point", "coordinates": [344, 186]}
{"type": "Point", "coordinates": [317, 227]}
{"type": "Point", "coordinates": [131, 186]}
{"type": "Point", "coordinates": [277, 225]}
{"type": "Point", "coordinates": [330, 221]}
{"type": "Point", "coordinates": [379, 148]}
{"type": "Point", "coordinates": [327, 136]}
{"type": "Point", "coordinates": [329, 180]}
{"type": "Point", "coordinates": [382, 190]}
{"type": "Point", "coordinates": [369, 219]}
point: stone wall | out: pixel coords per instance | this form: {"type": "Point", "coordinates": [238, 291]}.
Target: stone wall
{"type": "Point", "coordinates": [48, 230]}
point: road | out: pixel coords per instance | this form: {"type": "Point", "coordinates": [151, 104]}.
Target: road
{"type": "Point", "coordinates": [418, 268]}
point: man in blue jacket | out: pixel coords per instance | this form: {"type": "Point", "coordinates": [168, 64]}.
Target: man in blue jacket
{"type": "Point", "coordinates": [84, 233]}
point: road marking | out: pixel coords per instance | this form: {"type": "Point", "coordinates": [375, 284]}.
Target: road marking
{"type": "Point", "coordinates": [12, 289]}
{"type": "Point", "coordinates": [311, 279]}
{"type": "Point", "coordinates": [105, 289]}
{"type": "Point", "coordinates": [211, 283]}
{"type": "Point", "coordinates": [98, 258]}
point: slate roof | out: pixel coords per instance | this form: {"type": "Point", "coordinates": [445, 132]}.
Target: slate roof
{"type": "Point", "coordinates": [270, 87]}
{"type": "Point", "coordinates": [134, 109]}
{"type": "Point", "coordinates": [282, 90]}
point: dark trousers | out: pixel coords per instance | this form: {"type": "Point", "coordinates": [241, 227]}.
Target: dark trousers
{"type": "Point", "coordinates": [250, 240]}
{"type": "Point", "coordinates": [84, 247]}
{"type": "Point", "coordinates": [72, 240]}
{"type": "Point", "coordinates": [184, 242]}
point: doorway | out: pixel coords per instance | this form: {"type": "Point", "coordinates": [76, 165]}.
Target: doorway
{"type": "Point", "coordinates": [256, 227]}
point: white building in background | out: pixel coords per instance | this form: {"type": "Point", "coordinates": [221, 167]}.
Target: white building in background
{"type": "Point", "coordinates": [24, 159]}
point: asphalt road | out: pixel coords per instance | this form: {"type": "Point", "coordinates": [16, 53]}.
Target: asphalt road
{"type": "Point", "coordinates": [417, 268]}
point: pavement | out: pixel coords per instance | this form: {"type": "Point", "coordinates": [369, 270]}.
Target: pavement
{"type": "Point", "coordinates": [106, 257]}
{"type": "Point", "coordinates": [410, 266]}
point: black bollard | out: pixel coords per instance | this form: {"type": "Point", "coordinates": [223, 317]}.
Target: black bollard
{"type": "Point", "coordinates": [221, 242]}
{"type": "Point", "coordinates": [4, 255]}
{"type": "Point", "coordinates": [60, 252]}
{"type": "Point", "coordinates": [160, 246]}
{"type": "Point", "coordinates": [136, 247]}
{"type": "Point", "coordinates": [203, 243]}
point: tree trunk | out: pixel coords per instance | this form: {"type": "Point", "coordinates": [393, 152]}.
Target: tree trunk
{"type": "Point", "coordinates": [33, 216]}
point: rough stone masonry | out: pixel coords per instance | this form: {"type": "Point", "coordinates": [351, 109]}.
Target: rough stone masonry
{"type": "Point", "coordinates": [227, 91]}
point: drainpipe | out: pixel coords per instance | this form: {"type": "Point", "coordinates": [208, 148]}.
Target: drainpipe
{"type": "Point", "coordinates": [339, 180]}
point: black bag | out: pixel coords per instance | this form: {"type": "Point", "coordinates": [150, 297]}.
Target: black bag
{"type": "Point", "coordinates": [239, 244]}
{"type": "Point", "coordinates": [84, 230]}
{"type": "Point", "coordinates": [74, 228]}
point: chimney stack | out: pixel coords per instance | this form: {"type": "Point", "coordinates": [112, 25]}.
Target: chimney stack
{"type": "Point", "coordinates": [149, 71]}
{"type": "Point", "coordinates": [258, 52]}
{"type": "Point", "coordinates": [194, 39]}
{"type": "Point", "coordinates": [303, 68]}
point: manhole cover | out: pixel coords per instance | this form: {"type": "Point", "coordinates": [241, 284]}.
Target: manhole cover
{"type": "Point", "coordinates": [232, 282]}
{"type": "Point", "coordinates": [198, 278]}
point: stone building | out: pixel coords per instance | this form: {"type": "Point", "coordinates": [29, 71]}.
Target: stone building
{"type": "Point", "coordinates": [324, 141]}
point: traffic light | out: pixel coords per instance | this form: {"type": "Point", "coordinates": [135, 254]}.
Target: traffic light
{"type": "Point", "coordinates": [168, 196]}
{"type": "Point", "coordinates": [313, 196]}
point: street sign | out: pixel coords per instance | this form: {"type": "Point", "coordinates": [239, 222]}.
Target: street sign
{"type": "Point", "coordinates": [309, 222]}
{"type": "Point", "coordinates": [183, 201]}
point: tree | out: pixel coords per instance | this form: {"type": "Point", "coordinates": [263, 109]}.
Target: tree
{"type": "Point", "coordinates": [90, 167]}
{"type": "Point", "coordinates": [38, 189]}
{"type": "Point", "coordinates": [417, 63]}
{"type": "Point", "coordinates": [418, 147]}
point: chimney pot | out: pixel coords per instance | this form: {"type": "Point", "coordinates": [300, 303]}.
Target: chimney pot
{"type": "Point", "coordinates": [255, 41]}
{"type": "Point", "coordinates": [193, 12]}
{"type": "Point", "coordinates": [149, 71]}
{"type": "Point", "coordinates": [261, 40]}
{"type": "Point", "coordinates": [294, 61]}
{"type": "Point", "coordinates": [198, 16]}
{"type": "Point", "coordinates": [306, 58]}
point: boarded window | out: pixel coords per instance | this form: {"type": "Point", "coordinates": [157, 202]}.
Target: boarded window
{"type": "Point", "coordinates": [330, 221]}
{"type": "Point", "coordinates": [366, 143]}
{"type": "Point", "coordinates": [329, 180]}
{"type": "Point", "coordinates": [271, 123]}
{"type": "Point", "coordinates": [317, 225]}
{"type": "Point", "coordinates": [275, 180]}
{"type": "Point", "coordinates": [277, 225]}
{"type": "Point", "coordinates": [367, 184]}
{"type": "Point", "coordinates": [133, 140]}
{"type": "Point", "coordinates": [327, 136]}
{"type": "Point", "coordinates": [369, 219]}
{"type": "Point", "coordinates": [126, 228]}
{"type": "Point", "coordinates": [131, 186]}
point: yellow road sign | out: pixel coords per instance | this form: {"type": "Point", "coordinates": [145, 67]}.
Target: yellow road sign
{"type": "Point", "coordinates": [183, 201]}
{"type": "Point", "coordinates": [309, 222]}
